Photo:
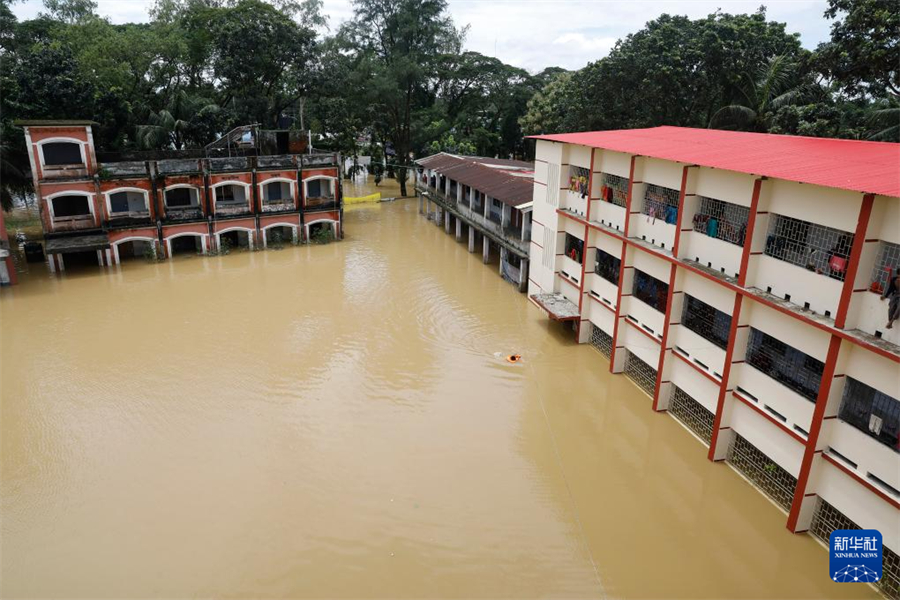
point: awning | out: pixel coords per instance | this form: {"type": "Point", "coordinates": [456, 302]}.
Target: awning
{"type": "Point", "coordinates": [76, 243]}
{"type": "Point", "coordinates": [557, 306]}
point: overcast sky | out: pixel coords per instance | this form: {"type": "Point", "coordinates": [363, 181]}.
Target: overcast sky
{"type": "Point", "coordinates": [535, 34]}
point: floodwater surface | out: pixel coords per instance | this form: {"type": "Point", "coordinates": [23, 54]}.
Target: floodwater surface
{"type": "Point", "coordinates": [338, 421]}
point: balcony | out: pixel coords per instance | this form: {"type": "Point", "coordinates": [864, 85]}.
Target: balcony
{"type": "Point", "coordinates": [74, 223]}
{"type": "Point", "coordinates": [183, 213]}
{"type": "Point", "coordinates": [274, 206]}
{"type": "Point", "coordinates": [320, 203]}
{"type": "Point", "coordinates": [231, 209]}
{"type": "Point", "coordinates": [129, 219]}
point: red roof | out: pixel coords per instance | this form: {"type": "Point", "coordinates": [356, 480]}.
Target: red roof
{"type": "Point", "coordinates": [509, 181]}
{"type": "Point", "coordinates": [867, 167]}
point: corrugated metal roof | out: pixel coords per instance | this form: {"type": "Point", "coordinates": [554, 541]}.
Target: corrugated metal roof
{"type": "Point", "coordinates": [509, 181]}
{"type": "Point", "coordinates": [866, 167]}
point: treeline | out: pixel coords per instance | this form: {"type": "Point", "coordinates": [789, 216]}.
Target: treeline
{"type": "Point", "coordinates": [739, 72]}
{"type": "Point", "coordinates": [395, 78]}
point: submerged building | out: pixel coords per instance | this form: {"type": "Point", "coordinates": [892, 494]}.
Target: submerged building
{"type": "Point", "coordinates": [252, 188]}
{"type": "Point", "coordinates": [737, 279]}
{"type": "Point", "coordinates": [488, 198]}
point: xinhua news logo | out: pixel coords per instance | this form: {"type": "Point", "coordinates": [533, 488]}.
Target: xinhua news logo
{"type": "Point", "coordinates": [855, 555]}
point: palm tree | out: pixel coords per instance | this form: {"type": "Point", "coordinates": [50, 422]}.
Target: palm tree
{"type": "Point", "coordinates": [885, 122]}
{"type": "Point", "coordinates": [177, 124]}
{"type": "Point", "coordinates": [773, 86]}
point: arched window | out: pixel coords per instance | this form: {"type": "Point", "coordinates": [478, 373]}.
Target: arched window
{"type": "Point", "coordinates": [62, 153]}
{"type": "Point", "coordinates": [70, 206]}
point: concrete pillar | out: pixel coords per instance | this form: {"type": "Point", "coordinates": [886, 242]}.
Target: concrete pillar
{"type": "Point", "coordinates": [471, 239]}
{"type": "Point", "coordinates": [51, 263]}
{"type": "Point", "coordinates": [486, 250]}
{"type": "Point", "coordinates": [523, 275]}
{"type": "Point", "coordinates": [60, 263]}
{"type": "Point", "coordinates": [503, 252]}
{"type": "Point", "coordinates": [447, 223]}
{"type": "Point", "coordinates": [294, 234]}
{"type": "Point", "coordinates": [421, 204]}
{"type": "Point", "coordinates": [458, 230]}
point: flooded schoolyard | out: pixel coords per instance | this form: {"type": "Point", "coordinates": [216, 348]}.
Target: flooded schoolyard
{"type": "Point", "coordinates": [338, 421]}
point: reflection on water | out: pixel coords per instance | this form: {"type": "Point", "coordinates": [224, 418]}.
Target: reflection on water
{"type": "Point", "coordinates": [340, 420]}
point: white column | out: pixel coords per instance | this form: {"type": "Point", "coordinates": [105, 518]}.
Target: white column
{"type": "Point", "coordinates": [447, 222]}
{"type": "Point", "coordinates": [502, 258]}
{"type": "Point", "coordinates": [458, 230]}
{"type": "Point", "coordinates": [265, 241]}
{"type": "Point", "coordinates": [250, 240]}
{"type": "Point", "coordinates": [471, 239]}
{"type": "Point", "coordinates": [523, 274]}
{"type": "Point", "coordinates": [109, 260]}
{"type": "Point", "coordinates": [60, 263]}
{"type": "Point", "coordinates": [294, 234]}
{"type": "Point", "coordinates": [203, 244]}
{"type": "Point", "coordinates": [51, 263]}
{"type": "Point", "coordinates": [486, 250]}
{"type": "Point", "coordinates": [100, 257]}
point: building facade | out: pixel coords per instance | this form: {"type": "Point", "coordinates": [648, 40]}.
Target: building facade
{"type": "Point", "coordinates": [488, 198]}
{"type": "Point", "coordinates": [101, 212]}
{"type": "Point", "coordinates": [736, 278]}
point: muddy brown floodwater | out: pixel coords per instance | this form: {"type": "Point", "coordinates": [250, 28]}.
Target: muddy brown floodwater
{"type": "Point", "coordinates": [338, 421]}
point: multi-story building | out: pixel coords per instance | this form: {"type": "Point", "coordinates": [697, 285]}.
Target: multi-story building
{"type": "Point", "coordinates": [736, 278]}
{"type": "Point", "coordinates": [489, 197]}
{"type": "Point", "coordinates": [99, 211]}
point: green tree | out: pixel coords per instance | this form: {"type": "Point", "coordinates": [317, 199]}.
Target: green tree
{"type": "Point", "coordinates": [547, 109]}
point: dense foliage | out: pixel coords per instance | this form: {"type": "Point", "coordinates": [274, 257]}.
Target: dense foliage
{"type": "Point", "coordinates": [396, 81]}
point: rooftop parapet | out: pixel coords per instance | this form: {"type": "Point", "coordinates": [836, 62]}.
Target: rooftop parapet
{"type": "Point", "coordinates": [179, 165]}
{"type": "Point", "coordinates": [231, 164]}
{"type": "Point", "coordinates": [123, 169]}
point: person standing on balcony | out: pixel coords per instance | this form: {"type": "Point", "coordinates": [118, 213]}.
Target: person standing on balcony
{"type": "Point", "coordinates": [892, 293]}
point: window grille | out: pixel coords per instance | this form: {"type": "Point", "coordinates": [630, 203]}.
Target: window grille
{"type": "Point", "coordinates": [796, 370]}
{"type": "Point", "coordinates": [574, 248]}
{"type": "Point", "coordinates": [874, 413]}
{"type": "Point", "coordinates": [827, 519]}
{"type": "Point", "coordinates": [614, 189]}
{"type": "Point", "coordinates": [607, 266]}
{"type": "Point", "coordinates": [887, 263]}
{"type": "Point", "coordinates": [661, 203]}
{"type": "Point", "coordinates": [650, 290]}
{"type": "Point", "coordinates": [709, 323]}
{"type": "Point", "coordinates": [774, 481]}
{"type": "Point", "coordinates": [692, 413]}
{"type": "Point", "coordinates": [601, 340]}
{"type": "Point", "coordinates": [813, 247]}
{"type": "Point", "coordinates": [640, 372]}
{"type": "Point", "coordinates": [579, 180]}
{"type": "Point", "coordinates": [722, 220]}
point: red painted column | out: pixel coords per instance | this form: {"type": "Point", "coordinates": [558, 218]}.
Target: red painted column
{"type": "Point", "coordinates": [809, 454]}
{"type": "Point", "coordinates": [612, 355]}
{"type": "Point", "coordinates": [726, 372]}
{"type": "Point", "coordinates": [859, 240]}
{"type": "Point", "coordinates": [751, 226]}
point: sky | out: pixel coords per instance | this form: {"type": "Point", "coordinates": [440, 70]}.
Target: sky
{"type": "Point", "coordinates": [535, 34]}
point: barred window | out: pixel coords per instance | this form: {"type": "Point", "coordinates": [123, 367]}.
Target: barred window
{"type": "Point", "coordinates": [640, 372]}
{"type": "Point", "coordinates": [722, 220]}
{"type": "Point", "coordinates": [650, 290]}
{"type": "Point", "coordinates": [872, 412]}
{"type": "Point", "coordinates": [579, 180]}
{"type": "Point", "coordinates": [692, 413]}
{"type": "Point", "coordinates": [814, 247]}
{"type": "Point", "coordinates": [709, 323]}
{"type": "Point", "coordinates": [601, 340]}
{"type": "Point", "coordinates": [614, 189]}
{"type": "Point", "coordinates": [661, 203]}
{"type": "Point", "coordinates": [574, 248]}
{"type": "Point", "coordinates": [888, 262]}
{"type": "Point", "coordinates": [796, 370]}
{"type": "Point", "coordinates": [607, 266]}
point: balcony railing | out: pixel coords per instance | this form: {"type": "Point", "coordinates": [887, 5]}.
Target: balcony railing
{"type": "Point", "coordinates": [320, 203]}
{"type": "Point", "coordinates": [74, 223]}
{"type": "Point", "coordinates": [188, 213]}
{"type": "Point", "coordinates": [125, 219]}
{"type": "Point", "coordinates": [793, 368]}
{"type": "Point", "coordinates": [722, 220]}
{"type": "Point", "coordinates": [280, 205]}
{"type": "Point", "coordinates": [226, 209]}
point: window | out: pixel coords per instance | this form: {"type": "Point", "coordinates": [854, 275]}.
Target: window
{"type": "Point", "coordinates": [70, 206]}
{"type": "Point", "coordinates": [887, 263]}
{"type": "Point", "coordinates": [796, 370]}
{"type": "Point", "coordinates": [62, 153]}
{"type": "Point", "coordinates": [661, 203]}
{"type": "Point", "coordinates": [614, 189]}
{"type": "Point", "coordinates": [127, 202]}
{"type": "Point", "coordinates": [226, 193]}
{"type": "Point", "coordinates": [574, 248]}
{"type": "Point", "coordinates": [709, 323]}
{"type": "Point", "coordinates": [318, 188]}
{"type": "Point", "coordinates": [650, 290]}
{"type": "Point", "coordinates": [607, 266]}
{"type": "Point", "coordinates": [273, 191]}
{"type": "Point", "coordinates": [813, 247]}
{"type": "Point", "coordinates": [180, 197]}
{"type": "Point", "coordinates": [874, 413]}
{"type": "Point", "coordinates": [579, 180]}
{"type": "Point", "coordinates": [722, 220]}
